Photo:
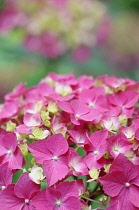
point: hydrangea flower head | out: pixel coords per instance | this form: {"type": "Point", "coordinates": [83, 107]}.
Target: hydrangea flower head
{"type": "Point", "coordinates": [73, 141]}
{"type": "Point", "coordinates": [19, 195]}
{"type": "Point", "coordinates": [122, 183]}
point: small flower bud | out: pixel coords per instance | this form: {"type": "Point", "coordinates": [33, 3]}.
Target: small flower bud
{"type": "Point", "coordinates": [36, 174]}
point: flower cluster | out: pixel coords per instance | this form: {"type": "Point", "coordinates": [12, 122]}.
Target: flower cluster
{"type": "Point", "coordinates": [75, 141]}
{"type": "Point", "coordinates": [54, 27]}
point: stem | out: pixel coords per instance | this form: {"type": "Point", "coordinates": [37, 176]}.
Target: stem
{"type": "Point", "coordinates": [77, 148]}
{"type": "Point", "coordinates": [91, 200]}
{"type": "Point", "coordinates": [52, 131]}
{"type": "Point", "coordinates": [43, 180]}
{"type": "Point", "coordinates": [93, 193]}
{"type": "Point", "coordinates": [27, 162]}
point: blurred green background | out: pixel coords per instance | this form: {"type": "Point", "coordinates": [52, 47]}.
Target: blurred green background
{"type": "Point", "coordinates": [113, 58]}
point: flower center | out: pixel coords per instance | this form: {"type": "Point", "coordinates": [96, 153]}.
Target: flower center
{"type": "Point", "coordinates": [55, 158]}
{"type": "Point", "coordinates": [127, 184]}
{"type": "Point", "coordinates": [26, 201]}
{"type": "Point", "coordinates": [80, 89]}
{"type": "Point", "coordinates": [96, 152]}
{"type": "Point", "coordinates": [3, 187]}
{"type": "Point", "coordinates": [116, 148]}
{"type": "Point", "coordinates": [77, 115]}
{"type": "Point", "coordinates": [9, 152]}
{"type": "Point", "coordinates": [91, 104]}
{"type": "Point", "coordinates": [58, 203]}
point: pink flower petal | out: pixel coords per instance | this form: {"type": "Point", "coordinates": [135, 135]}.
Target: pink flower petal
{"type": "Point", "coordinates": [113, 183]}
{"type": "Point", "coordinates": [26, 192]}
{"type": "Point", "coordinates": [8, 200]}
{"type": "Point", "coordinates": [54, 171]}
{"type": "Point", "coordinates": [133, 195]}
{"type": "Point", "coordinates": [57, 144]}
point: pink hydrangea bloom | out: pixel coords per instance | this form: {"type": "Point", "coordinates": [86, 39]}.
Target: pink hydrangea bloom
{"type": "Point", "coordinates": [77, 164]}
{"type": "Point", "coordinates": [63, 129]}
{"type": "Point", "coordinates": [118, 144]}
{"type": "Point", "coordinates": [64, 196]}
{"type": "Point", "coordinates": [19, 196]}
{"type": "Point", "coordinates": [10, 152]}
{"type": "Point", "coordinates": [79, 111]}
{"type": "Point", "coordinates": [5, 176]}
{"type": "Point", "coordinates": [95, 99]}
{"type": "Point", "coordinates": [53, 154]}
{"type": "Point", "coordinates": [9, 109]}
{"type": "Point", "coordinates": [122, 183]}
{"type": "Point", "coordinates": [96, 149]}
{"type": "Point", "coordinates": [123, 101]}
{"type": "Point", "coordinates": [79, 137]}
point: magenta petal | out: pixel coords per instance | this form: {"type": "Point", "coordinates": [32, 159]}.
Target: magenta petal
{"type": "Point", "coordinates": [115, 206]}
{"type": "Point", "coordinates": [74, 120]}
{"type": "Point", "coordinates": [40, 202]}
{"type": "Point", "coordinates": [132, 98]}
{"type": "Point", "coordinates": [92, 162]}
{"type": "Point", "coordinates": [87, 96]}
{"type": "Point", "coordinates": [68, 189]}
{"type": "Point", "coordinates": [9, 109]}
{"type": "Point", "coordinates": [18, 91]}
{"type": "Point", "coordinates": [79, 137]}
{"type": "Point", "coordinates": [28, 207]}
{"type": "Point", "coordinates": [65, 106]}
{"type": "Point", "coordinates": [48, 148]}
{"type": "Point", "coordinates": [52, 195]}
{"type": "Point", "coordinates": [79, 107]}
{"type": "Point", "coordinates": [15, 160]}
{"type": "Point", "coordinates": [56, 97]}
{"type": "Point", "coordinates": [71, 203]}
{"type": "Point", "coordinates": [135, 180]}
{"type": "Point", "coordinates": [26, 192]}
{"type": "Point", "coordinates": [91, 95]}
{"type": "Point", "coordinates": [5, 175]}
{"type": "Point", "coordinates": [9, 141]}
{"type": "Point", "coordinates": [98, 138]}
{"type": "Point", "coordinates": [40, 151]}
{"type": "Point", "coordinates": [134, 195]}
{"type": "Point", "coordinates": [23, 129]}
{"type": "Point", "coordinates": [3, 150]}
{"type": "Point", "coordinates": [121, 163]}
{"type": "Point", "coordinates": [8, 199]}
{"type": "Point", "coordinates": [113, 183]}
{"type": "Point", "coordinates": [54, 171]}
{"type": "Point", "coordinates": [32, 119]}
{"type": "Point", "coordinates": [57, 144]}
{"type": "Point", "coordinates": [94, 115]}
{"type": "Point", "coordinates": [123, 201]}
{"type": "Point", "coordinates": [78, 166]}
{"type": "Point", "coordinates": [45, 90]}
{"type": "Point", "coordinates": [121, 142]}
